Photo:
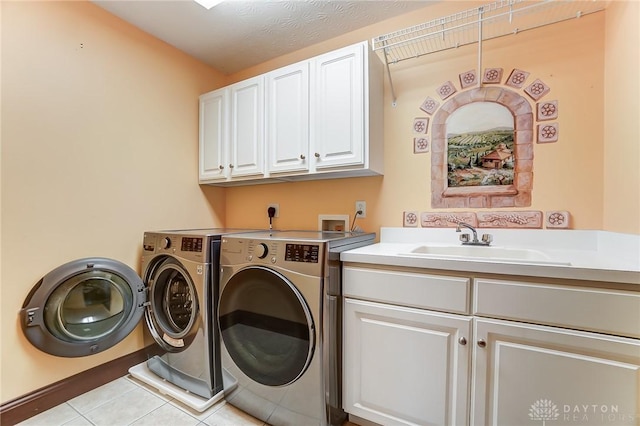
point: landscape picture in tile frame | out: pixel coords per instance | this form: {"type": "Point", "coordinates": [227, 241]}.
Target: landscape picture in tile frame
{"type": "Point", "coordinates": [480, 145]}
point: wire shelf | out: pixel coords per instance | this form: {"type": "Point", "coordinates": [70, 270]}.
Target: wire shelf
{"type": "Point", "coordinates": [498, 19]}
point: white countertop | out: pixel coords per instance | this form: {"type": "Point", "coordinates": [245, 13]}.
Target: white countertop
{"type": "Point", "coordinates": [582, 254]}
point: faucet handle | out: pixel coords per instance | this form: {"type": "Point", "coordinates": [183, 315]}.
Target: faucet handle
{"type": "Point", "coordinates": [487, 238]}
{"type": "Point", "coordinates": [464, 238]}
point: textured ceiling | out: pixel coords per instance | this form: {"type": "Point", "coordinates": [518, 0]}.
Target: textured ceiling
{"type": "Point", "coordinates": [238, 34]}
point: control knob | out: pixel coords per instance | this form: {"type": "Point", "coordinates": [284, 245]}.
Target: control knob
{"type": "Point", "coordinates": [261, 250]}
{"type": "Point", "coordinates": [165, 243]}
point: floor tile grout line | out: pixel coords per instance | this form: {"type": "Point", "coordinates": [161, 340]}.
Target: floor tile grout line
{"type": "Point", "coordinates": [77, 411]}
{"type": "Point", "coordinates": [102, 402]}
{"type": "Point", "coordinates": [165, 399]}
{"type": "Point", "coordinates": [145, 414]}
{"type": "Point", "coordinates": [119, 395]}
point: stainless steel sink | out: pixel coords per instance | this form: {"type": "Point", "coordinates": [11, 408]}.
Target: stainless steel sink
{"type": "Point", "coordinates": [490, 253]}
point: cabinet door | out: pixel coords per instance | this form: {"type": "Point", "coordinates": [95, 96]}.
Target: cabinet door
{"type": "Point", "coordinates": [338, 114]}
{"type": "Point", "coordinates": [288, 118]}
{"type": "Point", "coordinates": [213, 135]}
{"type": "Point", "coordinates": [405, 366]}
{"type": "Point", "coordinates": [247, 127]}
{"type": "Point", "coordinates": [527, 373]}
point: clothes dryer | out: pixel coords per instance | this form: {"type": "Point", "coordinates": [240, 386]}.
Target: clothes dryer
{"type": "Point", "coordinates": [281, 324]}
{"type": "Point", "coordinates": [88, 305]}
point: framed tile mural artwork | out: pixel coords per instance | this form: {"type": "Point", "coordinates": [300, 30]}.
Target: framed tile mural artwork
{"type": "Point", "coordinates": [481, 150]}
{"type": "Point", "coordinates": [482, 138]}
{"type": "Point", "coordinates": [480, 145]}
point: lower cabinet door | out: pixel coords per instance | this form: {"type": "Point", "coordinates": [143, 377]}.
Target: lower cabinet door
{"type": "Point", "coordinates": [536, 375]}
{"type": "Point", "coordinates": [405, 366]}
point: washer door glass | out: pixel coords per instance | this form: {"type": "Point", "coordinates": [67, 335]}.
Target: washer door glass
{"type": "Point", "coordinates": [173, 315]}
{"type": "Point", "coordinates": [266, 326]}
{"type": "Point", "coordinates": [83, 307]}
{"type": "Point", "coordinates": [88, 306]}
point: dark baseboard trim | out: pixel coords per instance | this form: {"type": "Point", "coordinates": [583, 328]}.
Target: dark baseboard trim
{"type": "Point", "coordinates": [26, 406]}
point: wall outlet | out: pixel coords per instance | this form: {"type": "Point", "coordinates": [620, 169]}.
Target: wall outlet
{"type": "Point", "coordinates": [361, 206]}
{"type": "Point", "coordinates": [275, 206]}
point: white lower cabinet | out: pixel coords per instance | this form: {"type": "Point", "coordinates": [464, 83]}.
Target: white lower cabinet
{"type": "Point", "coordinates": [526, 373]}
{"type": "Point", "coordinates": [406, 366]}
{"type": "Point", "coordinates": [523, 353]}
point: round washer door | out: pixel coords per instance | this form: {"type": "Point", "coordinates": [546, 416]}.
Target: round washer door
{"type": "Point", "coordinates": [173, 315]}
{"type": "Point", "coordinates": [83, 307]}
{"type": "Point", "coordinates": [266, 326]}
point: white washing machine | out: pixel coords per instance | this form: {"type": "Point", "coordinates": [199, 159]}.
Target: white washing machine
{"type": "Point", "coordinates": [281, 324]}
{"type": "Point", "coordinates": [88, 305]}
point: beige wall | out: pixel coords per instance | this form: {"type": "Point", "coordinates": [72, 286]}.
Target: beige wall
{"type": "Point", "coordinates": [568, 175]}
{"type": "Point", "coordinates": [99, 144]}
{"type": "Point", "coordinates": [99, 131]}
{"type": "Point", "coordinates": [622, 118]}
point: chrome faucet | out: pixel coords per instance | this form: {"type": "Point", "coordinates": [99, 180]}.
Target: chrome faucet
{"type": "Point", "coordinates": [486, 238]}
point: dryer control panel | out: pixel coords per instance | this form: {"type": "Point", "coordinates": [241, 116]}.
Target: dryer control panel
{"type": "Point", "coordinates": [300, 256]}
{"type": "Point", "coordinates": [302, 253]}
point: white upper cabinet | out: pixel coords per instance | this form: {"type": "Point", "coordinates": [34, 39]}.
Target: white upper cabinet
{"type": "Point", "coordinates": [347, 112]}
{"type": "Point", "coordinates": [247, 127]}
{"type": "Point", "coordinates": [232, 132]}
{"type": "Point", "coordinates": [213, 160]}
{"type": "Point", "coordinates": [319, 118]}
{"type": "Point", "coordinates": [338, 125]}
{"type": "Point", "coordinates": [287, 114]}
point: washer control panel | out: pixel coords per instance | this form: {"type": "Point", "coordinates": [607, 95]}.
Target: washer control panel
{"type": "Point", "coordinates": [185, 246]}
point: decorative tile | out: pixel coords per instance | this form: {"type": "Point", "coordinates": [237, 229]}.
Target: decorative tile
{"type": "Point", "coordinates": [446, 220]}
{"type": "Point", "coordinates": [420, 125]}
{"type": "Point", "coordinates": [547, 110]}
{"type": "Point", "coordinates": [446, 90]}
{"type": "Point", "coordinates": [420, 145]}
{"type": "Point", "coordinates": [557, 219]}
{"type": "Point", "coordinates": [517, 219]}
{"type": "Point", "coordinates": [430, 105]}
{"type": "Point", "coordinates": [492, 76]}
{"type": "Point", "coordinates": [537, 89]}
{"type": "Point", "coordinates": [468, 79]}
{"type": "Point", "coordinates": [548, 133]}
{"type": "Point", "coordinates": [410, 219]}
{"type": "Point", "coordinates": [517, 78]}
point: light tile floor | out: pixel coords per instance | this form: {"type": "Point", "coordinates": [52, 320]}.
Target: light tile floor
{"type": "Point", "coordinates": [127, 401]}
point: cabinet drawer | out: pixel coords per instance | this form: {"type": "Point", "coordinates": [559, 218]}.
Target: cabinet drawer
{"type": "Point", "coordinates": [604, 311]}
{"type": "Point", "coordinates": [436, 292]}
